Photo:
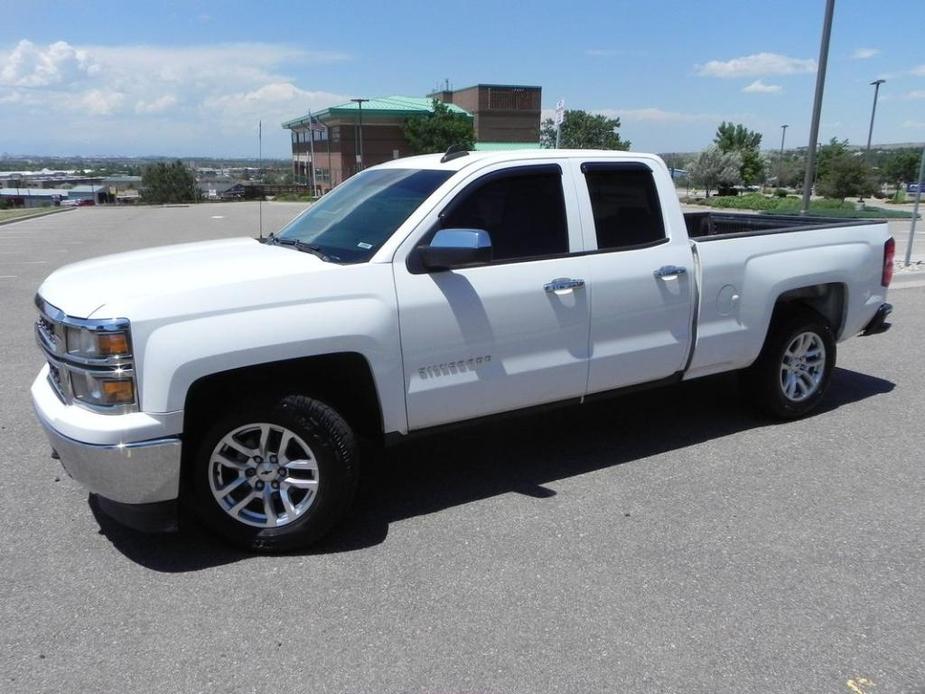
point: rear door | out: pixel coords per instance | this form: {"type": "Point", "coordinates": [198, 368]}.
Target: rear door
{"type": "Point", "coordinates": [493, 338]}
{"type": "Point", "coordinates": [641, 273]}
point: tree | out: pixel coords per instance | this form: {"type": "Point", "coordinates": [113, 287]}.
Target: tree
{"type": "Point", "coordinates": [583, 130]}
{"type": "Point", "coordinates": [846, 175]}
{"type": "Point", "coordinates": [826, 154]}
{"type": "Point", "coordinates": [902, 166]}
{"type": "Point", "coordinates": [715, 169]}
{"type": "Point", "coordinates": [168, 183]}
{"type": "Point", "coordinates": [439, 130]}
{"type": "Point", "coordinates": [791, 171]}
{"type": "Point", "coordinates": [735, 137]}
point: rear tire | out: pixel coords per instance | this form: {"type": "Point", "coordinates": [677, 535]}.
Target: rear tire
{"type": "Point", "coordinates": [277, 477]}
{"type": "Point", "coordinates": [792, 373]}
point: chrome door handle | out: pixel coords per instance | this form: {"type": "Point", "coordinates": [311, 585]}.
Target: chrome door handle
{"type": "Point", "coordinates": [563, 284]}
{"type": "Point", "coordinates": [669, 272]}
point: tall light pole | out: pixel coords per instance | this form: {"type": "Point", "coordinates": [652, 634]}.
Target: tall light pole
{"type": "Point", "coordinates": [311, 151]}
{"type": "Point", "coordinates": [915, 210]}
{"type": "Point", "coordinates": [360, 103]}
{"type": "Point", "coordinates": [817, 105]}
{"type": "Point", "coordinates": [780, 160]}
{"type": "Point", "coordinates": [870, 133]}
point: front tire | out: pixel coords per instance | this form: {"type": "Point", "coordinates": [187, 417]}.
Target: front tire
{"type": "Point", "coordinates": [793, 371]}
{"type": "Point", "coordinates": [275, 478]}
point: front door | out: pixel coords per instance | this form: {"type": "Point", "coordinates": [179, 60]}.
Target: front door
{"type": "Point", "coordinates": [493, 338]}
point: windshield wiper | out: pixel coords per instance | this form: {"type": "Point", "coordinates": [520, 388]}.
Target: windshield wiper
{"type": "Point", "coordinates": [302, 246]}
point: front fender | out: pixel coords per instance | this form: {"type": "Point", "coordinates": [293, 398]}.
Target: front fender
{"type": "Point", "coordinates": [177, 354]}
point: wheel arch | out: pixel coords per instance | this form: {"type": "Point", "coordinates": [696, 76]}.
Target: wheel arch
{"type": "Point", "coordinates": [828, 300]}
{"type": "Point", "coordinates": [343, 380]}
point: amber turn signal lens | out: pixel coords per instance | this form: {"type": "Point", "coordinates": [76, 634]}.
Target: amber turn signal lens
{"type": "Point", "coordinates": [117, 392]}
{"type": "Point", "coordinates": [113, 344]}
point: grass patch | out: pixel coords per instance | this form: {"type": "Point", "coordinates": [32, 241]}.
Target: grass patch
{"type": "Point", "coordinates": [8, 215]}
{"type": "Point", "coordinates": [824, 207]}
{"type": "Point", "coordinates": [294, 197]}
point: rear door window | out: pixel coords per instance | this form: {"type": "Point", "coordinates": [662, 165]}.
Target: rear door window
{"type": "Point", "coordinates": [625, 204]}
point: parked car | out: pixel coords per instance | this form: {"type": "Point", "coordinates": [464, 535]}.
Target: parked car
{"type": "Point", "coordinates": [242, 376]}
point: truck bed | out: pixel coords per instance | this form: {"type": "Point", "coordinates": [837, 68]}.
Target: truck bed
{"type": "Point", "coordinates": [706, 226]}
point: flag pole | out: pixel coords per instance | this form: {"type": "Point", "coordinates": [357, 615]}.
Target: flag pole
{"type": "Point", "coordinates": [260, 170]}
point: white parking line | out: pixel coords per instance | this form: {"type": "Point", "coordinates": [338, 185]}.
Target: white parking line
{"type": "Point", "coordinates": [6, 277]}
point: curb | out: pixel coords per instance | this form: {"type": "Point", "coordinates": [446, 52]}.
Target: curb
{"type": "Point", "coordinates": [32, 216]}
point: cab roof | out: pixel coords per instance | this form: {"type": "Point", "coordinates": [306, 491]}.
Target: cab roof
{"type": "Point", "coordinates": [433, 161]}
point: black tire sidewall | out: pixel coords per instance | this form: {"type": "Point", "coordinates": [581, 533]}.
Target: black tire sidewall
{"type": "Point", "coordinates": [334, 448]}
{"type": "Point", "coordinates": [766, 370]}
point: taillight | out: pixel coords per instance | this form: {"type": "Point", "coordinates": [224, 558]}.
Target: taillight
{"type": "Point", "coordinates": [889, 250]}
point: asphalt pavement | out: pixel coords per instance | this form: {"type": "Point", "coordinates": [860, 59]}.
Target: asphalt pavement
{"type": "Point", "coordinates": [668, 541]}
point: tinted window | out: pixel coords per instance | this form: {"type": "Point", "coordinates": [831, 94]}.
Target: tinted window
{"type": "Point", "coordinates": [626, 207]}
{"type": "Point", "coordinates": [350, 223]}
{"type": "Point", "coordinates": [524, 213]}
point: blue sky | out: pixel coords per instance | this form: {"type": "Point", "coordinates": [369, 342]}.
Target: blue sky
{"type": "Point", "coordinates": [193, 78]}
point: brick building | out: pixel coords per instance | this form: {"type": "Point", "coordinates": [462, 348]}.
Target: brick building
{"type": "Point", "coordinates": [504, 117]}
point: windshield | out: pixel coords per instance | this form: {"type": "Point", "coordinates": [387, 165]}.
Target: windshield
{"type": "Point", "coordinates": [350, 223]}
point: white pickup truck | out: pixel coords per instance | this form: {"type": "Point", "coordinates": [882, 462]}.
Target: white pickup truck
{"type": "Point", "coordinates": [240, 377]}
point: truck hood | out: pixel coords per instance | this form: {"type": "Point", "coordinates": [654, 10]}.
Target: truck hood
{"type": "Point", "coordinates": [111, 286]}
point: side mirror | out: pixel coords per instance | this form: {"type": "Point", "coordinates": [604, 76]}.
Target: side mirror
{"type": "Point", "coordinates": [455, 248]}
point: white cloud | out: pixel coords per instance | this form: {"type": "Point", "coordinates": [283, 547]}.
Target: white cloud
{"type": "Point", "coordinates": [28, 65]}
{"type": "Point", "coordinates": [645, 115]}
{"type": "Point", "coordinates": [601, 52]}
{"type": "Point", "coordinates": [914, 124]}
{"type": "Point", "coordinates": [158, 105]}
{"type": "Point", "coordinates": [658, 115]}
{"type": "Point", "coordinates": [916, 94]}
{"type": "Point", "coordinates": [273, 103]}
{"type": "Point", "coordinates": [206, 94]}
{"type": "Point", "coordinates": [918, 71]}
{"type": "Point", "coordinates": [756, 65]}
{"type": "Point", "coordinates": [100, 102]}
{"type": "Point", "coordinates": [759, 87]}
{"type": "Point", "coordinates": [865, 53]}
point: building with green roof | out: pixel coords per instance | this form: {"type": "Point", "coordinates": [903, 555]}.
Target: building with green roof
{"type": "Point", "coordinates": [346, 138]}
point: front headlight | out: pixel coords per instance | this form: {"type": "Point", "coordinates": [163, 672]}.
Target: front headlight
{"type": "Point", "coordinates": [88, 343]}
{"type": "Point", "coordinates": [90, 360]}
{"type": "Point", "coordinates": [103, 389]}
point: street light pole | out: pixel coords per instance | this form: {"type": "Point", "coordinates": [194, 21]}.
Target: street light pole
{"type": "Point", "coordinates": [870, 133]}
{"type": "Point", "coordinates": [360, 103]}
{"type": "Point", "coordinates": [817, 105]}
{"type": "Point", "coordinates": [915, 210]}
{"type": "Point", "coordinates": [311, 151]}
{"type": "Point", "coordinates": [780, 160]}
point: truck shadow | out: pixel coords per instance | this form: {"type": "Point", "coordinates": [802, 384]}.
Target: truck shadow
{"type": "Point", "coordinates": [519, 455]}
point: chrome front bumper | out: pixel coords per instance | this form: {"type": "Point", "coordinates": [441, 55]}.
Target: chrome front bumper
{"type": "Point", "coordinates": [129, 458]}
{"type": "Point", "coordinates": [131, 473]}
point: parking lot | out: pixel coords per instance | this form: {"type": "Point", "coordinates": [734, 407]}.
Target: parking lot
{"type": "Point", "coordinates": [667, 541]}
